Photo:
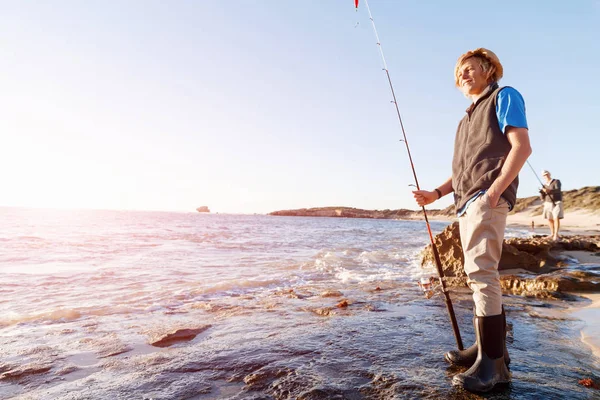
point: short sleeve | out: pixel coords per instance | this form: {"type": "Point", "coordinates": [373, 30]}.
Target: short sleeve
{"type": "Point", "coordinates": [510, 109]}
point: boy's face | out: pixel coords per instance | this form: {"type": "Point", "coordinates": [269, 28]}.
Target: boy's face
{"type": "Point", "coordinates": [471, 78]}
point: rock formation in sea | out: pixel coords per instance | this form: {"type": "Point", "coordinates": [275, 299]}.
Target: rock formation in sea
{"type": "Point", "coordinates": [203, 209]}
{"type": "Point", "coordinates": [532, 266]}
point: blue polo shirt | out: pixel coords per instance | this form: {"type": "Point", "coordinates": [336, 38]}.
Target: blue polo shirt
{"type": "Point", "coordinates": [510, 110]}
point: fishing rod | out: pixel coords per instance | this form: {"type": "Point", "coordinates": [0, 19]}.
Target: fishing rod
{"type": "Point", "coordinates": [540, 181]}
{"type": "Point", "coordinates": [436, 255]}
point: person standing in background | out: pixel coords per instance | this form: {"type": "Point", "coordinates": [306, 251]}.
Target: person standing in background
{"type": "Point", "coordinates": [551, 195]}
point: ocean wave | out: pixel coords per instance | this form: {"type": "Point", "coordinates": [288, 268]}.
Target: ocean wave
{"type": "Point", "coordinates": [61, 315]}
{"type": "Point", "coordinates": [242, 285]}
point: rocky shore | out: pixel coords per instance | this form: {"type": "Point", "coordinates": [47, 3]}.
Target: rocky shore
{"type": "Point", "coordinates": [539, 269]}
{"type": "Point", "coordinates": [533, 267]}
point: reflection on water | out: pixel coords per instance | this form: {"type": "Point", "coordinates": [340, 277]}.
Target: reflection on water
{"type": "Point", "coordinates": [308, 308]}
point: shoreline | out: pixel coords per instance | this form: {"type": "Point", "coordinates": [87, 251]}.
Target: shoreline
{"type": "Point", "coordinates": [578, 222]}
{"type": "Point", "coordinates": [575, 222]}
{"type": "Point", "coordinates": [590, 315]}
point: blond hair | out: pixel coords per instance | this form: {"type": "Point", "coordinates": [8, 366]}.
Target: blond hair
{"type": "Point", "coordinates": [487, 59]}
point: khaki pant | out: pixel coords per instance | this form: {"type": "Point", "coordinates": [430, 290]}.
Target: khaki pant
{"type": "Point", "coordinates": [481, 235]}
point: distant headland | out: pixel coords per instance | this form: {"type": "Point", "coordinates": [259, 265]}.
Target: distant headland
{"type": "Point", "coordinates": [585, 200]}
{"type": "Point", "coordinates": [350, 212]}
{"type": "Point", "coordinates": [203, 209]}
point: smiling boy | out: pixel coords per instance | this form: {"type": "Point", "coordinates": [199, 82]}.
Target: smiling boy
{"type": "Point", "coordinates": [491, 146]}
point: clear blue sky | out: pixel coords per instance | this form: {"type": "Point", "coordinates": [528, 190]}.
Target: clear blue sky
{"type": "Point", "coordinates": [254, 106]}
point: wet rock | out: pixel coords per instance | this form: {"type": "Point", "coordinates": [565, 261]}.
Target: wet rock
{"type": "Point", "coordinates": [547, 252]}
{"type": "Point", "coordinates": [221, 308]}
{"type": "Point", "coordinates": [301, 385]}
{"type": "Point", "coordinates": [262, 378]}
{"type": "Point", "coordinates": [589, 383]}
{"type": "Point", "coordinates": [382, 386]}
{"type": "Point", "coordinates": [296, 295]}
{"type": "Point", "coordinates": [210, 307]}
{"type": "Point", "coordinates": [38, 351]}
{"type": "Point", "coordinates": [373, 307]}
{"type": "Point", "coordinates": [331, 293]}
{"type": "Point", "coordinates": [106, 346]}
{"type": "Point", "coordinates": [543, 287]}
{"type": "Point", "coordinates": [323, 311]}
{"type": "Point", "coordinates": [290, 293]}
{"type": "Point", "coordinates": [113, 349]}
{"type": "Point", "coordinates": [534, 259]}
{"type": "Point", "coordinates": [176, 336]}
{"type": "Point", "coordinates": [21, 371]}
{"type": "Point", "coordinates": [326, 394]}
{"type": "Point", "coordinates": [548, 286]}
{"type": "Point", "coordinates": [67, 370]}
{"type": "Point", "coordinates": [342, 304]}
{"type": "Point", "coordinates": [449, 249]}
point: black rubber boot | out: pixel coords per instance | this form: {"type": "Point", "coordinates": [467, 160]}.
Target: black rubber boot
{"type": "Point", "coordinates": [466, 357]}
{"type": "Point", "coordinates": [489, 368]}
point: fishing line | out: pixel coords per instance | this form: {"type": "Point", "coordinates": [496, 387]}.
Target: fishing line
{"type": "Point", "coordinates": [436, 255]}
{"type": "Point", "coordinates": [537, 177]}
{"type": "Point", "coordinates": [540, 181]}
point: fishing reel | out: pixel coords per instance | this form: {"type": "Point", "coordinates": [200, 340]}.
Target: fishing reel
{"type": "Point", "coordinates": [429, 286]}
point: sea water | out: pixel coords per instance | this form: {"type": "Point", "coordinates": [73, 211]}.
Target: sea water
{"type": "Point", "coordinates": [279, 307]}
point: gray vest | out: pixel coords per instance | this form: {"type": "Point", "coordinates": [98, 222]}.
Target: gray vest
{"type": "Point", "coordinates": [480, 149]}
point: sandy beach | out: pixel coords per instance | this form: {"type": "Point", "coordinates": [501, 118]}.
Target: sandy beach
{"type": "Point", "coordinates": [577, 222]}
{"type": "Point", "coordinates": [574, 223]}
{"type": "Point", "coordinates": [590, 314]}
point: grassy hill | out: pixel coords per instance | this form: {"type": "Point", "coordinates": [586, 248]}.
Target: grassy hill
{"type": "Point", "coordinates": [586, 198]}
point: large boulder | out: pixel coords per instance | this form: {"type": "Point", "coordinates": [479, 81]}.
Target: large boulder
{"type": "Point", "coordinates": [451, 255]}
{"type": "Point", "coordinates": [165, 336]}
{"type": "Point", "coordinates": [449, 249]}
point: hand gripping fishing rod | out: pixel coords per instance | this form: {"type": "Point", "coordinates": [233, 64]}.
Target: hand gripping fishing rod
{"type": "Point", "coordinates": [540, 181]}
{"type": "Point", "coordinates": [436, 255]}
